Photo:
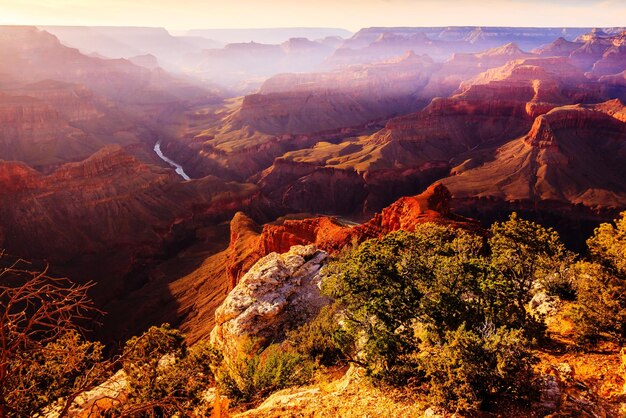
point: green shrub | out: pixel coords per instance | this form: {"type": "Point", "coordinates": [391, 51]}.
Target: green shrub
{"type": "Point", "coordinates": [164, 376]}
{"type": "Point", "coordinates": [601, 305]}
{"type": "Point", "coordinates": [42, 354]}
{"type": "Point", "coordinates": [387, 285]}
{"type": "Point", "coordinates": [469, 368]}
{"type": "Point", "coordinates": [522, 253]}
{"type": "Point", "coordinates": [432, 289]}
{"type": "Point", "coordinates": [601, 285]}
{"type": "Point", "coordinates": [252, 377]}
{"type": "Point", "coordinates": [322, 339]}
{"type": "Point", "coordinates": [608, 246]}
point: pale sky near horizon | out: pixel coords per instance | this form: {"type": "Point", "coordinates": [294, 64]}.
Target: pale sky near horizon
{"type": "Point", "coordinates": [348, 14]}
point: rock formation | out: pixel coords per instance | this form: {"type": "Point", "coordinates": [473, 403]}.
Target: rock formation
{"type": "Point", "coordinates": [277, 293]}
{"type": "Point", "coordinates": [28, 55]}
{"type": "Point", "coordinates": [249, 243]}
{"type": "Point", "coordinates": [561, 47]}
{"type": "Point", "coordinates": [573, 155]}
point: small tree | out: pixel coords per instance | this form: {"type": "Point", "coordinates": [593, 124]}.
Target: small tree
{"type": "Point", "coordinates": [322, 339]}
{"type": "Point", "coordinates": [389, 286]}
{"type": "Point", "coordinates": [601, 284]}
{"type": "Point", "coordinates": [472, 366]}
{"type": "Point", "coordinates": [608, 246]}
{"type": "Point", "coordinates": [438, 307]}
{"type": "Point", "coordinates": [522, 253]}
{"type": "Point", "coordinates": [164, 376]}
{"type": "Point", "coordinates": [42, 356]}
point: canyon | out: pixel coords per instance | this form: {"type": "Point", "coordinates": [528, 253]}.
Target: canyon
{"type": "Point", "coordinates": [164, 167]}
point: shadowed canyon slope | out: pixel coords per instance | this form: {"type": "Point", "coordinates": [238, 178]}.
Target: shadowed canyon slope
{"type": "Point", "coordinates": [110, 211]}
{"type": "Point", "coordinates": [414, 150]}
{"type": "Point", "coordinates": [58, 105]}
{"type": "Point", "coordinates": [572, 154]}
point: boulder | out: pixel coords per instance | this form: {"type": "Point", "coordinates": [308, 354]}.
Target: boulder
{"type": "Point", "coordinates": [278, 293]}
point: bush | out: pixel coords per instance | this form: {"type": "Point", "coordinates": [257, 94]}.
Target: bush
{"type": "Point", "coordinates": [432, 290]}
{"type": "Point", "coordinates": [322, 339]}
{"type": "Point", "coordinates": [601, 305]}
{"type": "Point", "coordinates": [42, 355]}
{"type": "Point", "coordinates": [387, 285]}
{"type": "Point", "coordinates": [601, 285]}
{"type": "Point", "coordinates": [608, 246]}
{"type": "Point", "coordinates": [522, 254]}
{"type": "Point", "coordinates": [164, 376]}
{"type": "Point", "coordinates": [39, 378]}
{"type": "Point", "coordinates": [469, 368]}
{"type": "Point", "coordinates": [253, 376]}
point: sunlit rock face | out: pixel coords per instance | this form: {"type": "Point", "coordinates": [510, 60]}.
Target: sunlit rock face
{"type": "Point", "coordinates": [249, 242]}
{"type": "Point", "coordinates": [277, 293]}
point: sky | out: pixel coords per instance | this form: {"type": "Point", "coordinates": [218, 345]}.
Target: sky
{"type": "Point", "coordinates": [347, 14]}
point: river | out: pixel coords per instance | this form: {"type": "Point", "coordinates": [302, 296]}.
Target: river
{"type": "Point", "coordinates": [179, 169]}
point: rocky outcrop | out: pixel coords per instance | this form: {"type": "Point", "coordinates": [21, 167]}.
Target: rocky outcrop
{"type": "Point", "coordinates": [148, 61]}
{"type": "Point", "coordinates": [31, 130]}
{"type": "Point", "coordinates": [433, 205]}
{"type": "Point", "coordinates": [411, 152]}
{"type": "Point", "coordinates": [467, 65]}
{"type": "Point", "coordinates": [75, 102]}
{"type": "Point", "coordinates": [299, 187]}
{"type": "Point", "coordinates": [561, 47]}
{"type": "Point", "coordinates": [414, 150]}
{"type": "Point", "coordinates": [249, 242]}
{"type": "Point", "coordinates": [598, 52]}
{"type": "Point", "coordinates": [277, 293]}
{"type": "Point", "coordinates": [593, 48]}
{"type": "Point", "coordinates": [329, 234]}
{"type": "Point", "coordinates": [574, 155]}
{"type": "Point", "coordinates": [319, 111]}
{"type": "Point", "coordinates": [548, 128]}
{"type": "Point", "coordinates": [49, 123]}
{"type": "Point", "coordinates": [58, 105]}
{"type": "Point", "coordinates": [613, 61]}
{"type": "Point", "coordinates": [243, 250]}
{"type": "Point", "coordinates": [616, 85]}
{"type": "Point", "coordinates": [541, 83]}
{"type": "Point", "coordinates": [281, 237]}
{"type": "Point", "coordinates": [319, 102]}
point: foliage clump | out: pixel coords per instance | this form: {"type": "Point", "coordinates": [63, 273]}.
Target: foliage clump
{"type": "Point", "coordinates": [255, 374]}
{"type": "Point", "coordinates": [43, 355]}
{"type": "Point", "coordinates": [601, 285]}
{"type": "Point", "coordinates": [164, 376]}
{"type": "Point", "coordinates": [438, 310]}
{"type": "Point", "coordinates": [38, 378]}
{"type": "Point", "coordinates": [445, 308]}
{"type": "Point", "coordinates": [322, 340]}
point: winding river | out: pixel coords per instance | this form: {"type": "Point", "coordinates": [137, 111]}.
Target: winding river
{"type": "Point", "coordinates": [179, 169]}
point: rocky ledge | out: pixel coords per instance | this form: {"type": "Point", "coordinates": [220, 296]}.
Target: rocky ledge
{"type": "Point", "coordinates": [277, 293]}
